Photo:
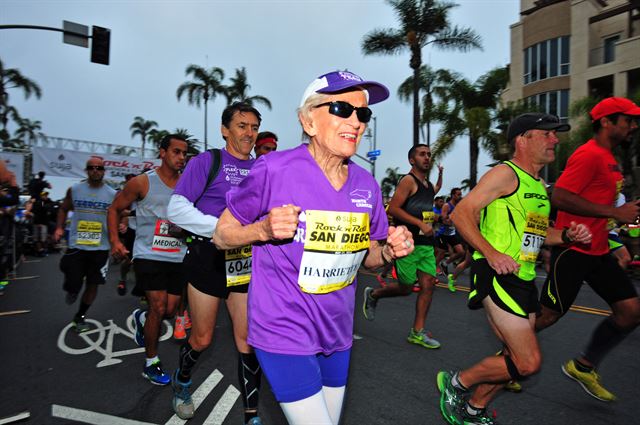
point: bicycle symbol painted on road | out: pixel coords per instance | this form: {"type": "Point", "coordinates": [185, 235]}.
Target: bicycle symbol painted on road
{"type": "Point", "coordinates": [100, 334]}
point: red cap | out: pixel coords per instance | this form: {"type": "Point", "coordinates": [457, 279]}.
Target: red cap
{"type": "Point", "coordinates": [614, 105]}
{"type": "Point", "coordinates": [266, 140]}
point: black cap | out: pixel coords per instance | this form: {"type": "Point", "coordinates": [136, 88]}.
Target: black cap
{"type": "Point", "coordinates": [534, 121]}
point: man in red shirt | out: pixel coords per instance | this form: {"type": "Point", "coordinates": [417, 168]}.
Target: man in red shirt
{"type": "Point", "coordinates": [586, 193]}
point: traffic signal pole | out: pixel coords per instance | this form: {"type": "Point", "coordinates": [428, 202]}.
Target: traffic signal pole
{"type": "Point", "coordinates": [78, 35]}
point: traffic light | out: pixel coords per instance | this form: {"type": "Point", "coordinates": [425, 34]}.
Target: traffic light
{"type": "Point", "coordinates": [100, 43]}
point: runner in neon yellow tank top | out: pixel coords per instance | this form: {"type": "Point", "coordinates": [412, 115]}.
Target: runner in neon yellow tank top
{"type": "Point", "coordinates": [505, 219]}
{"type": "Point", "coordinates": [527, 213]}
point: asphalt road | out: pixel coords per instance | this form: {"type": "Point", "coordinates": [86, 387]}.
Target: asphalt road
{"type": "Point", "coordinates": [60, 377]}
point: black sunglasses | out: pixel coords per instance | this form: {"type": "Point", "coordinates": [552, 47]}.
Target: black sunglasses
{"type": "Point", "coordinates": [95, 167]}
{"type": "Point", "coordinates": [345, 109]}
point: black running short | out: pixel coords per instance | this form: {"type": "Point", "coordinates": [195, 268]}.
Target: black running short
{"type": "Point", "coordinates": [509, 292]}
{"type": "Point", "coordinates": [569, 268]}
{"type": "Point", "coordinates": [205, 270]}
{"type": "Point", "coordinates": [450, 240]}
{"type": "Point", "coordinates": [154, 275]}
{"type": "Point", "coordinates": [78, 264]}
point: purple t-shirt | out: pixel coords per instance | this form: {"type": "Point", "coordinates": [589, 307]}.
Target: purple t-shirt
{"type": "Point", "coordinates": [192, 181]}
{"type": "Point", "coordinates": [334, 230]}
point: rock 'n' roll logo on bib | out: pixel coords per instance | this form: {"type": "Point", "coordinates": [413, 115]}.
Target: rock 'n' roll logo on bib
{"type": "Point", "coordinates": [335, 245]}
{"type": "Point", "coordinates": [238, 265]}
{"type": "Point", "coordinates": [535, 232]}
{"type": "Point", "coordinates": [162, 239]}
{"type": "Point", "coordinates": [428, 217]}
{"type": "Point", "coordinates": [89, 233]}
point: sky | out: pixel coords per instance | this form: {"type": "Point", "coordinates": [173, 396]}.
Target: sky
{"type": "Point", "coordinates": [283, 44]}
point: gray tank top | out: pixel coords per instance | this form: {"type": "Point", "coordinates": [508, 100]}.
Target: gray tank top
{"type": "Point", "coordinates": [153, 241]}
{"type": "Point", "coordinates": [88, 229]}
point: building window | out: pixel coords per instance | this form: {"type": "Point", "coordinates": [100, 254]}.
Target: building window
{"type": "Point", "coordinates": [610, 48]}
{"type": "Point", "coordinates": [553, 57]}
{"type": "Point", "coordinates": [564, 55]}
{"type": "Point", "coordinates": [547, 59]}
{"type": "Point", "coordinates": [554, 102]}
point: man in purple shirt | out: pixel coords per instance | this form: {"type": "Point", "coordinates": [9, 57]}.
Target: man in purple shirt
{"type": "Point", "coordinates": [216, 274]}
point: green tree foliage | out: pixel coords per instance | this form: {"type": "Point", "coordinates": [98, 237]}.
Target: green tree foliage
{"type": "Point", "coordinates": [468, 109]}
{"type": "Point", "coordinates": [205, 85]}
{"type": "Point", "coordinates": [141, 127]}
{"type": "Point", "coordinates": [389, 182]}
{"type": "Point", "coordinates": [238, 91]}
{"type": "Point", "coordinates": [421, 23]}
{"type": "Point", "coordinates": [11, 78]}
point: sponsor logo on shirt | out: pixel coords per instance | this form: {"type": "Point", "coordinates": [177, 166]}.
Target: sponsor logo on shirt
{"type": "Point", "coordinates": [361, 197]}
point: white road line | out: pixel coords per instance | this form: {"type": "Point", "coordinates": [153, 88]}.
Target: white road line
{"type": "Point", "coordinates": [24, 277]}
{"type": "Point", "coordinates": [90, 417]}
{"type": "Point", "coordinates": [20, 416]}
{"type": "Point", "coordinates": [199, 395]}
{"type": "Point", "coordinates": [222, 407]}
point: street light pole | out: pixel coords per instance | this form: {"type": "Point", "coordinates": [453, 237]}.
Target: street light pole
{"type": "Point", "coordinates": [373, 163]}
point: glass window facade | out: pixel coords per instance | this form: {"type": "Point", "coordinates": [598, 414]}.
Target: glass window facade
{"type": "Point", "coordinates": [554, 102]}
{"type": "Point", "coordinates": [547, 59]}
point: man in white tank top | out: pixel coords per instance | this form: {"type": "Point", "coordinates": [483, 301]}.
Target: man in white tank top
{"type": "Point", "coordinates": [157, 252]}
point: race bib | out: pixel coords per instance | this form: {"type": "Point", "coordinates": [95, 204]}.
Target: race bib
{"type": "Point", "coordinates": [89, 233]}
{"type": "Point", "coordinates": [334, 247]}
{"type": "Point", "coordinates": [238, 265]}
{"type": "Point", "coordinates": [427, 217]}
{"type": "Point", "coordinates": [535, 232]}
{"type": "Point", "coordinates": [162, 240]}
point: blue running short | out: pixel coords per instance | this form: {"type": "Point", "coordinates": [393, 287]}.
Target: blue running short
{"type": "Point", "coordinates": [294, 377]}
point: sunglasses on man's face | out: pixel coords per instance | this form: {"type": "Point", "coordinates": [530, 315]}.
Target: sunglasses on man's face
{"type": "Point", "coordinates": [345, 109]}
{"type": "Point", "coordinates": [95, 167]}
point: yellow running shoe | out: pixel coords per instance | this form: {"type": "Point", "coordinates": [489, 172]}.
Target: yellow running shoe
{"type": "Point", "coordinates": [513, 386]}
{"type": "Point", "coordinates": [589, 381]}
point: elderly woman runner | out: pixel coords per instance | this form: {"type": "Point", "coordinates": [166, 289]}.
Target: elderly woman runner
{"type": "Point", "coordinates": [313, 217]}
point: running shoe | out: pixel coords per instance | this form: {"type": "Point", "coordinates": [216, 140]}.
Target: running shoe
{"type": "Point", "coordinates": [369, 304]}
{"type": "Point", "coordinates": [178, 330]}
{"type": "Point", "coordinates": [138, 327]}
{"type": "Point", "coordinates": [122, 288]}
{"type": "Point", "coordinates": [155, 374]}
{"type": "Point", "coordinates": [182, 402]}
{"type": "Point", "coordinates": [479, 419]}
{"type": "Point", "coordinates": [451, 399]}
{"type": "Point", "coordinates": [513, 386]}
{"type": "Point", "coordinates": [80, 324]}
{"type": "Point", "coordinates": [255, 421]}
{"type": "Point", "coordinates": [589, 381]}
{"type": "Point", "coordinates": [444, 268]}
{"type": "Point", "coordinates": [451, 282]}
{"type": "Point", "coordinates": [422, 338]}
{"type": "Point", "coordinates": [70, 297]}
{"type": "Point", "coordinates": [187, 320]}
{"type": "Point", "coordinates": [416, 287]}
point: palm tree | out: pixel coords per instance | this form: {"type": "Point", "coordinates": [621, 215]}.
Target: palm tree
{"type": "Point", "coordinates": [29, 130]}
{"type": "Point", "coordinates": [422, 22]}
{"type": "Point", "coordinates": [156, 136]}
{"type": "Point", "coordinates": [206, 84]}
{"type": "Point", "coordinates": [469, 109]}
{"type": "Point", "coordinates": [192, 143]}
{"type": "Point", "coordinates": [430, 82]}
{"type": "Point", "coordinates": [237, 91]}
{"type": "Point", "coordinates": [142, 127]}
{"type": "Point", "coordinates": [389, 183]}
{"type": "Point", "coordinates": [11, 78]}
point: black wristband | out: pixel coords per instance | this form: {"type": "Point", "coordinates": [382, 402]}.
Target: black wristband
{"type": "Point", "coordinates": [565, 236]}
